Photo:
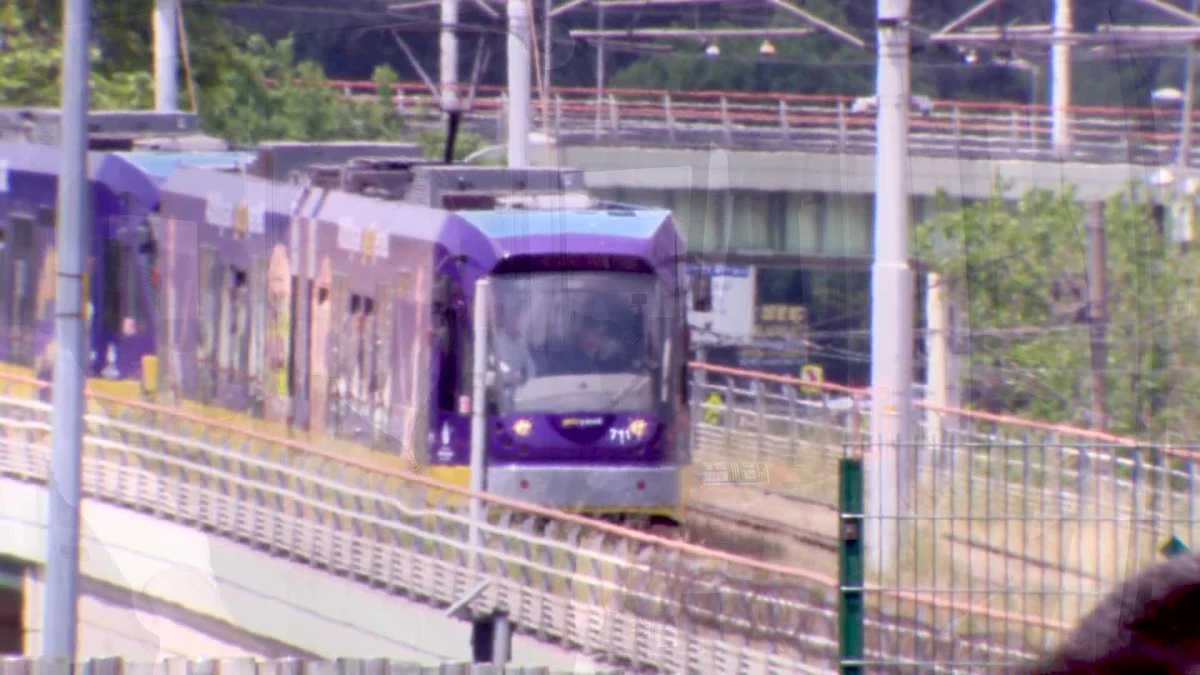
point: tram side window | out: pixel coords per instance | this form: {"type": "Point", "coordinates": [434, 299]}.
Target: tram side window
{"type": "Point", "coordinates": [366, 354]}
{"type": "Point", "coordinates": [143, 290]}
{"type": "Point", "coordinates": [230, 328]}
{"type": "Point", "coordinates": [453, 350]}
{"type": "Point", "coordinates": [23, 253]}
{"type": "Point", "coordinates": [702, 292]}
{"type": "Point", "coordinates": [338, 341]}
{"type": "Point", "coordinates": [132, 309]}
{"type": "Point", "coordinates": [113, 302]}
{"type": "Point", "coordinates": [209, 304]}
{"type": "Point", "coordinates": [353, 356]}
{"type": "Point", "coordinates": [239, 328]}
{"type": "Point", "coordinates": [684, 350]}
{"type": "Point", "coordinates": [288, 335]}
{"type": "Point", "coordinates": [6, 279]}
{"type": "Point", "coordinates": [380, 386]}
{"type": "Point", "coordinates": [258, 318]}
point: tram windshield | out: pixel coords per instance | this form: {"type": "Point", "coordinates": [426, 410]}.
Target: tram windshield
{"type": "Point", "coordinates": [576, 341]}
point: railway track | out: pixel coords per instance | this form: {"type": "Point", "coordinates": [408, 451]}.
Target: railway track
{"type": "Point", "coordinates": [766, 526]}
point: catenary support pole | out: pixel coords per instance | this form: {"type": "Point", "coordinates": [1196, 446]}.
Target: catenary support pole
{"type": "Point", "coordinates": [1189, 104]}
{"type": "Point", "coordinates": [599, 67]}
{"type": "Point", "coordinates": [1060, 93]}
{"type": "Point", "coordinates": [166, 55]}
{"type": "Point", "coordinates": [1097, 277]}
{"type": "Point", "coordinates": [483, 289]}
{"type": "Point", "coordinates": [74, 230]}
{"type": "Point", "coordinates": [891, 290]}
{"type": "Point", "coordinates": [518, 84]}
{"type": "Point", "coordinates": [937, 351]}
{"type": "Point", "coordinates": [449, 56]}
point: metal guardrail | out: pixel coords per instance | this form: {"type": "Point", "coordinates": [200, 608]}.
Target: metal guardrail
{"type": "Point", "coordinates": [770, 418]}
{"type": "Point", "coordinates": [745, 121]}
{"type": "Point", "coordinates": [621, 596]}
{"type": "Point", "coordinates": [25, 665]}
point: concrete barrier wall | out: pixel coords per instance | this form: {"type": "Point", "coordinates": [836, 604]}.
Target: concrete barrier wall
{"type": "Point", "coordinates": [250, 602]}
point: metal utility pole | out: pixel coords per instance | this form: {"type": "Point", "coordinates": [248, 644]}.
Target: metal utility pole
{"type": "Point", "coordinates": [1189, 97]}
{"type": "Point", "coordinates": [518, 84]}
{"type": "Point", "coordinates": [599, 67]}
{"type": "Point", "coordinates": [547, 49]}
{"type": "Point", "coordinates": [1098, 311]}
{"type": "Point", "coordinates": [449, 63]}
{"type": "Point", "coordinates": [483, 293]}
{"type": "Point", "coordinates": [1060, 94]}
{"type": "Point", "coordinates": [891, 289]}
{"type": "Point", "coordinates": [64, 498]}
{"type": "Point", "coordinates": [166, 55]}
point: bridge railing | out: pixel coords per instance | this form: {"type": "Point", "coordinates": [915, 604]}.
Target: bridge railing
{"type": "Point", "coordinates": [27, 665]}
{"type": "Point", "coordinates": [829, 123]}
{"type": "Point", "coordinates": [624, 596]}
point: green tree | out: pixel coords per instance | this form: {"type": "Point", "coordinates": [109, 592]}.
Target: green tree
{"type": "Point", "coordinates": [31, 63]}
{"type": "Point", "coordinates": [245, 107]}
{"type": "Point", "coordinates": [1019, 269]}
{"type": "Point", "coordinates": [433, 143]}
{"type": "Point", "coordinates": [237, 99]}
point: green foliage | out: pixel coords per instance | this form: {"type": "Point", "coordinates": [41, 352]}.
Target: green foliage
{"type": "Point", "coordinates": [1019, 269]}
{"type": "Point", "coordinates": [433, 143]}
{"type": "Point", "coordinates": [30, 66]}
{"type": "Point", "coordinates": [233, 75]}
{"type": "Point", "coordinates": [245, 108]}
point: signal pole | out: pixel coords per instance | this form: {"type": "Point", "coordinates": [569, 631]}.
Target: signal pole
{"type": "Point", "coordinates": [1060, 92]}
{"type": "Point", "coordinates": [166, 54]}
{"type": "Point", "coordinates": [449, 62]}
{"type": "Point", "coordinates": [891, 290]}
{"type": "Point", "coordinates": [518, 84]}
{"type": "Point", "coordinates": [62, 540]}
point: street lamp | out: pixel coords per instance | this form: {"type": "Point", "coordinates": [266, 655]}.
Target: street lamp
{"type": "Point", "coordinates": [767, 48]}
{"type": "Point", "coordinates": [712, 51]}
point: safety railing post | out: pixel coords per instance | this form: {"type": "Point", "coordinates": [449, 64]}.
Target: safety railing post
{"type": "Point", "coordinates": [760, 411]}
{"type": "Point", "coordinates": [730, 411]}
{"type": "Point", "coordinates": [784, 128]}
{"type": "Point", "coordinates": [669, 118]}
{"type": "Point", "coordinates": [558, 115]}
{"type": "Point", "coordinates": [726, 123]}
{"type": "Point", "coordinates": [850, 563]}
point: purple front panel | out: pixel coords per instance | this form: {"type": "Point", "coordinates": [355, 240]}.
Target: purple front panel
{"type": "Point", "coordinates": [578, 437]}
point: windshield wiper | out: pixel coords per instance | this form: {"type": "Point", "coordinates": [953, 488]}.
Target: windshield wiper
{"type": "Point", "coordinates": [646, 365]}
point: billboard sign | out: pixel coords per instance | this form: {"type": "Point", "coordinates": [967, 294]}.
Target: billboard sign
{"type": "Point", "coordinates": [721, 301]}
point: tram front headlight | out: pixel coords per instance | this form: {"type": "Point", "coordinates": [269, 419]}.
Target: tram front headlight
{"type": "Point", "coordinates": [637, 428]}
{"type": "Point", "coordinates": [522, 427]}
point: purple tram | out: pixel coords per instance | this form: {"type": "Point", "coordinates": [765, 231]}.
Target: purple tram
{"type": "Point", "coordinates": [120, 281]}
{"type": "Point", "coordinates": [342, 304]}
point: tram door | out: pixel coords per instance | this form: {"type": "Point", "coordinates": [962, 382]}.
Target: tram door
{"type": "Point", "coordinates": [238, 296]}
{"type": "Point", "coordinates": [129, 297]}
{"type": "Point", "coordinates": [25, 242]}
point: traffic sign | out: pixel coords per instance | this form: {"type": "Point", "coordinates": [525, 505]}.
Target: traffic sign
{"type": "Point", "coordinates": [811, 374]}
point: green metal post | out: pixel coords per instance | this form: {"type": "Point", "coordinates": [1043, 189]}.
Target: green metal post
{"type": "Point", "coordinates": [850, 565]}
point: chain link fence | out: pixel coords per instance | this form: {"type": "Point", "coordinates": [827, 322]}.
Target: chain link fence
{"type": "Point", "coordinates": [1003, 556]}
